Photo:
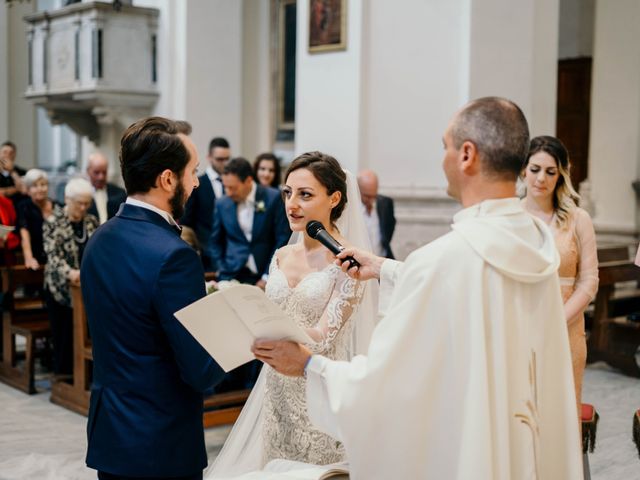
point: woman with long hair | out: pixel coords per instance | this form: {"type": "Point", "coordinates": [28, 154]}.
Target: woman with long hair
{"type": "Point", "coordinates": [337, 312]}
{"type": "Point", "coordinates": [552, 198]}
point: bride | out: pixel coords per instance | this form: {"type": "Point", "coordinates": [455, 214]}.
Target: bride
{"type": "Point", "coordinates": [337, 312]}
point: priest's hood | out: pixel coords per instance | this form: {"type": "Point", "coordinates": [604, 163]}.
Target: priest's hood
{"type": "Point", "coordinates": [512, 241]}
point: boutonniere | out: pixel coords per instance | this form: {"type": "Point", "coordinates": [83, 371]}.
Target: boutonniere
{"type": "Point", "coordinates": [260, 207]}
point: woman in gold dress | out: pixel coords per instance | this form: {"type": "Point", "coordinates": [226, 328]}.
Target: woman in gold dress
{"type": "Point", "coordinates": [552, 198]}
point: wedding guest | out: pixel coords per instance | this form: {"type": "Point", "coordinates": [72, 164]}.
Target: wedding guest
{"type": "Point", "coordinates": [11, 184]}
{"type": "Point", "coordinates": [65, 237]}
{"type": "Point", "coordinates": [266, 170]}
{"type": "Point", "coordinates": [33, 212]}
{"type": "Point", "coordinates": [107, 197]}
{"type": "Point", "coordinates": [552, 198]}
{"type": "Point", "coordinates": [11, 242]}
{"type": "Point", "coordinates": [378, 214]}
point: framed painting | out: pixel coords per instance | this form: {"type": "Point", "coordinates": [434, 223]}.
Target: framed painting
{"type": "Point", "coordinates": [327, 25]}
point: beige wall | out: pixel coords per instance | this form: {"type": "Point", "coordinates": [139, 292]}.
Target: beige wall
{"type": "Point", "coordinates": [614, 149]}
{"type": "Point", "coordinates": [18, 120]}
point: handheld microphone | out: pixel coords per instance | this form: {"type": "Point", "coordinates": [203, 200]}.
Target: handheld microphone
{"type": "Point", "coordinates": [317, 231]}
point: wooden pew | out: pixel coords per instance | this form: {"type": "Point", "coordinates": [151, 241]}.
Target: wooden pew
{"type": "Point", "coordinates": [615, 339]}
{"type": "Point", "coordinates": [220, 409]}
{"type": "Point", "coordinates": [25, 316]}
{"type": "Point", "coordinates": [75, 395]}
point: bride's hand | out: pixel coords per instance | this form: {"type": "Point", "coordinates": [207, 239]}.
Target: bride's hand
{"type": "Point", "coordinates": [285, 357]}
{"type": "Point", "coordinates": [369, 264]}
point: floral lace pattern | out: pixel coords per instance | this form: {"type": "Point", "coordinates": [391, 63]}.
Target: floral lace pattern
{"type": "Point", "coordinates": [324, 301]}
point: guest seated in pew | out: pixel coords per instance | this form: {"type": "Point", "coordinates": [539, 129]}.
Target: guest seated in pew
{"type": "Point", "coordinates": [65, 237]}
{"type": "Point", "coordinates": [12, 241]}
{"type": "Point", "coordinates": [31, 216]}
{"type": "Point", "coordinates": [552, 198]}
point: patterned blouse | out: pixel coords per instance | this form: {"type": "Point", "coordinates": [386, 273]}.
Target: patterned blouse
{"type": "Point", "coordinates": [63, 248]}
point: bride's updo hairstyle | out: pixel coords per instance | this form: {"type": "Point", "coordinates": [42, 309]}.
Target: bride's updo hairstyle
{"type": "Point", "coordinates": [328, 172]}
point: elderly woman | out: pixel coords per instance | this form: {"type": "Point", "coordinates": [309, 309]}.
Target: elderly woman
{"type": "Point", "coordinates": [31, 215]}
{"type": "Point", "coordinates": [65, 237]}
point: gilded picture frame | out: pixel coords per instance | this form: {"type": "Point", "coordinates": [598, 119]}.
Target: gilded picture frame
{"type": "Point", "coordinates": [327, 25]}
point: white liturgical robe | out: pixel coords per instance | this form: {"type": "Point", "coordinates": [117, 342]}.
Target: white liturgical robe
{"type": "Point", "coordinates": [468, 375]}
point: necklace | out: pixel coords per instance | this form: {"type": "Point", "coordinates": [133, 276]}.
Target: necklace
{"type": "Point", "coordinates": [80, 238]}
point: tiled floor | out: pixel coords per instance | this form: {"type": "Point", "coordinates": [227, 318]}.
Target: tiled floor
{"type": "Point", "coordinates": [39, 440]}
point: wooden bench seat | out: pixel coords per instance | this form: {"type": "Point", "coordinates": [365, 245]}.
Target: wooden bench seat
{"type": "Point", "coordinates": [614, 338]}
{"type": "Point", "coordinates": [24, 316]}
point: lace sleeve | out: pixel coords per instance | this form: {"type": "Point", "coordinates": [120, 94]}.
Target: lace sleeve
{"type": "Point", "coordinates": [347, 294]}
{"type": "Point", "coordinates": [587, 280]}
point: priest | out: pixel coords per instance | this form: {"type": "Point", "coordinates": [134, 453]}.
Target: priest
{"type": "Point", "coordinates": [468, 375]}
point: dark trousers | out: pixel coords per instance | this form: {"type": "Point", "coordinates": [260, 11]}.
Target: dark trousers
{"type": "Point", "coordinates": [61, 321]}
{"type": "Point", "coordinates": [109, 476]}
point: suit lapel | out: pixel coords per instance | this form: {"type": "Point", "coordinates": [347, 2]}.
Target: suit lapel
{"type": "Point", "coordinates": [231, 214]}
{"type": "Point", "coordinates": [259, 214]}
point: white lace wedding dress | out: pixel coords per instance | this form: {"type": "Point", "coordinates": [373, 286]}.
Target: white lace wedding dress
{"type": "Point", "coordinates": [322, 301]}
{"type": "Point", "coordinates": [342, 311]}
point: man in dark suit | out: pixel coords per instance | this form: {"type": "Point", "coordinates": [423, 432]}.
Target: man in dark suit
{"type": "Point", "coordinates": [107, 197]}
{"type": "Point", "coordinates": [249, 225]}
{"type": "Point", "coordinates": [200, 207]}
{"type": "Point", "coordinates": [145, 418]}
{"type": "Point", "coordinates": [378, 214]}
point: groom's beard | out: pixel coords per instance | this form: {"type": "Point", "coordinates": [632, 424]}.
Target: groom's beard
{"type": "Point", "coordinates": [178, 201]}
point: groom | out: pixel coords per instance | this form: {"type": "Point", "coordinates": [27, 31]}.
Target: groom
{"type": "Point", "coordinates": [145, 418]}
{"type": "Point", "coordinates": [468, 375]}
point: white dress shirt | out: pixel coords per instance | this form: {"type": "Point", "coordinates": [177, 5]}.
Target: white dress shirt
{"type": "Point", "coordinates": [216, 181]}
{"type": "Point", "coordinates": [163, 213]}
{"type": "Point", "coordinates": [246, 210]}
{"type": "Point", "coordinates": [100, 197]}
{"type": "Point", "coordinates": [372, 221]}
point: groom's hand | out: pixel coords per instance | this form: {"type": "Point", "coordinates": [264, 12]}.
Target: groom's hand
{"type": "Point", "coordinates": [285, 357]}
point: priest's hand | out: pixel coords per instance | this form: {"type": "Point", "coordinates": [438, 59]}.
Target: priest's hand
{"type": "Point", "coordinates": [285, 357]}
{"type": "Point", "coordinates": [370, 264]}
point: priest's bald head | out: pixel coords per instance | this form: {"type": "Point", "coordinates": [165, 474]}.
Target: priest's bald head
{"type": "Point", "coordinates": [485, 144]}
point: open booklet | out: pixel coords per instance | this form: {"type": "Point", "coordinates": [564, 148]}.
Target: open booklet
{"type": "Point", "coordinates": [227, 322]}
{"type": "Point", "coordinates": [291, 470]}
{"type": "Point", "coordinates": [5, 230]}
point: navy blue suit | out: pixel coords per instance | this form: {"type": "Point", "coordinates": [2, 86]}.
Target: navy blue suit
{"type": "Point", "coordinates": [229, 247]}
{"type": "Point", "coordinates": [145, 418]}
{"type": "Point", "coordinates": [387, 218]}
{"type": "Point", "coordinates": [115, 196]}
{"type": "Point", "coordinates": [198, 215]}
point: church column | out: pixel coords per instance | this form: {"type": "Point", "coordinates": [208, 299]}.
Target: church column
{"type": "Point", "coordinates": [513, 52]}
{"type": "Point", "coordinates": [614, 149]}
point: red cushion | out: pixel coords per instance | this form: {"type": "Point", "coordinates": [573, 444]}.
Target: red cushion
{"type": "Point", "coordinates": [588, 412]}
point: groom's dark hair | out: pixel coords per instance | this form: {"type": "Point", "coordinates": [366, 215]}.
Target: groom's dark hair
{"type": "Point", "coordinates": [328, 172]}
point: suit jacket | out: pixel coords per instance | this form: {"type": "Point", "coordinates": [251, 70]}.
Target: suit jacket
{"type": "Point", "coordinates": [384, 207]}
{"type": "Point", "coordinates": [198, 215]}
{"type": "Point", "coordinates": [229, 247]}
{"type": "Point", "coordinates": [115, 196]}
{"type": "Point", "coordinates": [145, 417]}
